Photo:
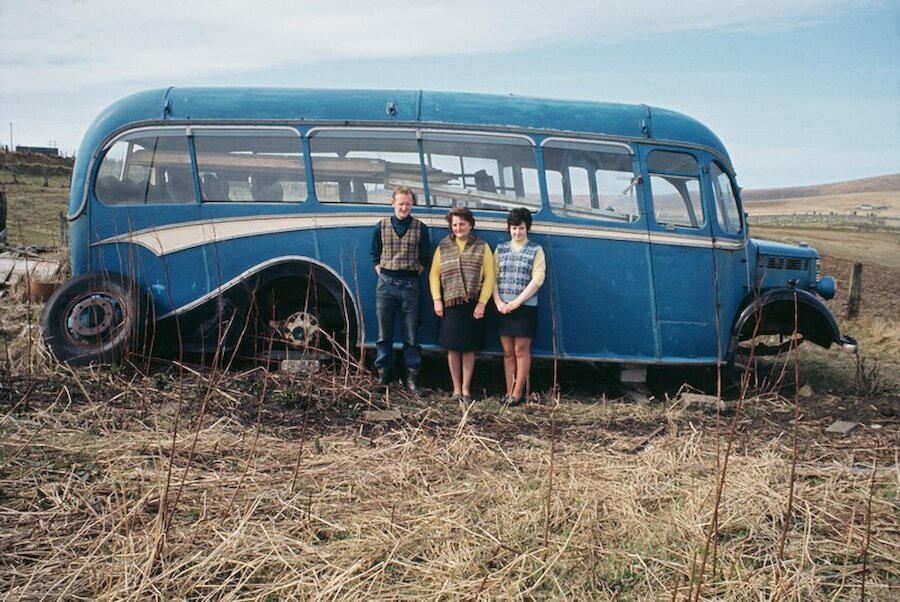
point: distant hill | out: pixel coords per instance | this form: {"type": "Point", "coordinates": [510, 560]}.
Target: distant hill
{"type": "Point", "coordinates": [890, 183]}
{"type": "Point", "coordinates": [36, 164]}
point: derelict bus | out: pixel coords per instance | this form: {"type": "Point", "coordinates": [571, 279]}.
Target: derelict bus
{"type": "Point", "coordinates": [204, 218]}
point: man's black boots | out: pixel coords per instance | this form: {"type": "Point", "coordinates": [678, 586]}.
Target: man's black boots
{"type": "Point", "coordinates": [411, 385]}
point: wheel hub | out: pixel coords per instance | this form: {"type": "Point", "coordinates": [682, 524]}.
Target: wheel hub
{"type": "Point", "coordinates": [92, 317]}
{"type": "Point", "coordinates": [300, 328]}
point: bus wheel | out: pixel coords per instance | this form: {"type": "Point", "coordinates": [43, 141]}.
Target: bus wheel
{"type": "Point", "coordinates": [94, 318]}
{"type": "Point", "coordinates": [299, 320]}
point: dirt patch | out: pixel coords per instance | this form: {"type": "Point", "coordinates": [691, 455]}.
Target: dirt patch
{"type": "Point", "coordinates": [880, 288]}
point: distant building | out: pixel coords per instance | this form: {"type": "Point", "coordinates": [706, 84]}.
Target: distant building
{"type": "Point", "coordinates": [50, 151]}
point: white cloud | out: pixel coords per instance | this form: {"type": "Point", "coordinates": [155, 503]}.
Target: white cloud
{"type": "Point", "coordinates": [62, 61]}
{"type": "Point", "coordinates": [64, 45]}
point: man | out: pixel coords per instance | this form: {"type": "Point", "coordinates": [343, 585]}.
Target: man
{"type": "Point", "coordinates": [400, 250]}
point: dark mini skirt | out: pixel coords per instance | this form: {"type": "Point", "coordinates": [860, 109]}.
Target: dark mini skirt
{"type": "Point", "coordinates": [521, 322]}
{"type": "Point", "coordinates": [459, 330]}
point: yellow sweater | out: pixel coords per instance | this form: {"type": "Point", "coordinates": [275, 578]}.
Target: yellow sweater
{"type": "Point", "coordinates": [486, 280]}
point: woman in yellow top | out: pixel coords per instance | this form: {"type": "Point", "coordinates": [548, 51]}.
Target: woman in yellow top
{"type": "Point", "coordinates": [520, 268]}
{"type": "Point", "coordinates": [462, 281]}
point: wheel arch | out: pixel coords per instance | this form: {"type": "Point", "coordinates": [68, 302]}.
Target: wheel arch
{"type": "Point", "coordinates": [283, 271]}
{"type": "Point", "coordinates": [772, 312]}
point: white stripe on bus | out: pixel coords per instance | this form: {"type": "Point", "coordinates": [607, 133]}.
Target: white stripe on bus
{"type": "Point", "coordinates": [163, 240]}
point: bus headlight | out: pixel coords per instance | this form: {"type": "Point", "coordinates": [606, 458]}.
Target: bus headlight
{"type": "Point", "coordinates": [826, 287]}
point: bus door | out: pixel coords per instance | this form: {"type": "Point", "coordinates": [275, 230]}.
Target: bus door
{"type": "Point", "coordinates": [729, 250]}
{"type": "Point", "coordinates": [681, 251]}
{"type": "Point", "coordinates": [598, 256]}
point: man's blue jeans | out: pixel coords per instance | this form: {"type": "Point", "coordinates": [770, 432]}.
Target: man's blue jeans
{"type": "Point", "coordinates": [397, 296]}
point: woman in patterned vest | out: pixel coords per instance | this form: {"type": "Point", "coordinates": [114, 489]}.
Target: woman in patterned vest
{"type": "Point", "coordinates": [461, 279]}
{"type": "Point", "coordinates": [520, 269]}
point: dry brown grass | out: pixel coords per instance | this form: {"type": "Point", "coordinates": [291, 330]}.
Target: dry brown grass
{"type": "Point", "coordinates": [882, 336]}
{"type": "Point", "coordinates": [33, 208]}
{"type": "Point", "coordinates": [436, 506]}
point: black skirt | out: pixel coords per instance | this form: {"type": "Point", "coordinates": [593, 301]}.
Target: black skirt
{"type": "Point", "coordinates": [459, 330]}
{"type": "Point", "coordinates": [521, 322]}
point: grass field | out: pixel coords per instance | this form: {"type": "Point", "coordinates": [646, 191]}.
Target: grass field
{"type": "Point", "coordinates": [33, 209]}
{"type": "Point", "coordinates": [168, 481]}
{"type": "Point", "coordinates": [881, 203]}
{"type": "Point", "coordinates": [876, 247]}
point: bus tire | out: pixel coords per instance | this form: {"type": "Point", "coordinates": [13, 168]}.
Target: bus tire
{"type": "Point", "coordinates": [95, 318]}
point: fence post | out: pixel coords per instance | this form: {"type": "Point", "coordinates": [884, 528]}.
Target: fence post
{"type": "Point", "coordinates": [2, 217]}
{"type": "Point", "coordinates": [855, 291]}
{"type": "Point", "coordinates": [63, 230]}
{"type": "Point", "coordinates": [12, 170]}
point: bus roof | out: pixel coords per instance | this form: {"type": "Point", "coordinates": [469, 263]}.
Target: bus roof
{"type": "Point", "coordinates": [374, 107]}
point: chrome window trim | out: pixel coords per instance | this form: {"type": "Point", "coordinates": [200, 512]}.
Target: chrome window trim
{"type": "Point", "coordinates": [589, 141]}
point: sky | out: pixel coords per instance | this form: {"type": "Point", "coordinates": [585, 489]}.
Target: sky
{"type": "Point", "coordinates": [800, 91]}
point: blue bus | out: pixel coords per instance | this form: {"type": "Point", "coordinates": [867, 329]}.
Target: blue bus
{"type": "Point", "coordinates": [215, 220]}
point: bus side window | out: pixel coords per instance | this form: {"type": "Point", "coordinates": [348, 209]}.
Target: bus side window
{"type": "Point", "coordinates": [675, 189]}
{"type": "Point", "coordinates": [590, 180]}
{"type": "Point", "coordinates": [364, 166]}
{"type": "Point", "coordinates": [480, 171]}
{"type": "Point", "coordinates": [728, 215]}
{"type": "Point", "coordinates": [250, 164]}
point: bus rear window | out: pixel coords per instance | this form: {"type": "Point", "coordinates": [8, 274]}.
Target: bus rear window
{"type": "Point", "coordinates": [147, 167]}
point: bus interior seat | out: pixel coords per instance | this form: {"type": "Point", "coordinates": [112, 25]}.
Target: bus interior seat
{"type": "Point", "coordinates": [360, 195]}
{"type": "Point", "coordinates": [156, 192]}
{"type": "Point", "coordinates": [215, 188]}
{"type": "Point", "coordinates": [265, 187]}
{"type": "Point", "coordinates": [110, 189]}
{"type": "Point", "coordinates": [345, 190]}
{"type": "Point", "coordinates": [484, 181]}
{"type": "Point", "coordinates": [180, 185]}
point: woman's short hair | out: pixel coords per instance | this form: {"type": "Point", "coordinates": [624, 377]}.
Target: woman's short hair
{"type": "Point", "coordinates": [462, 213]}
{"type": "Point", "coordinates": [519, 216]}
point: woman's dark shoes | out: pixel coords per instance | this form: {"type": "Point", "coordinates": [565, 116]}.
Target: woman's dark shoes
{"type": "Point", "coordinates": [511, 401]}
